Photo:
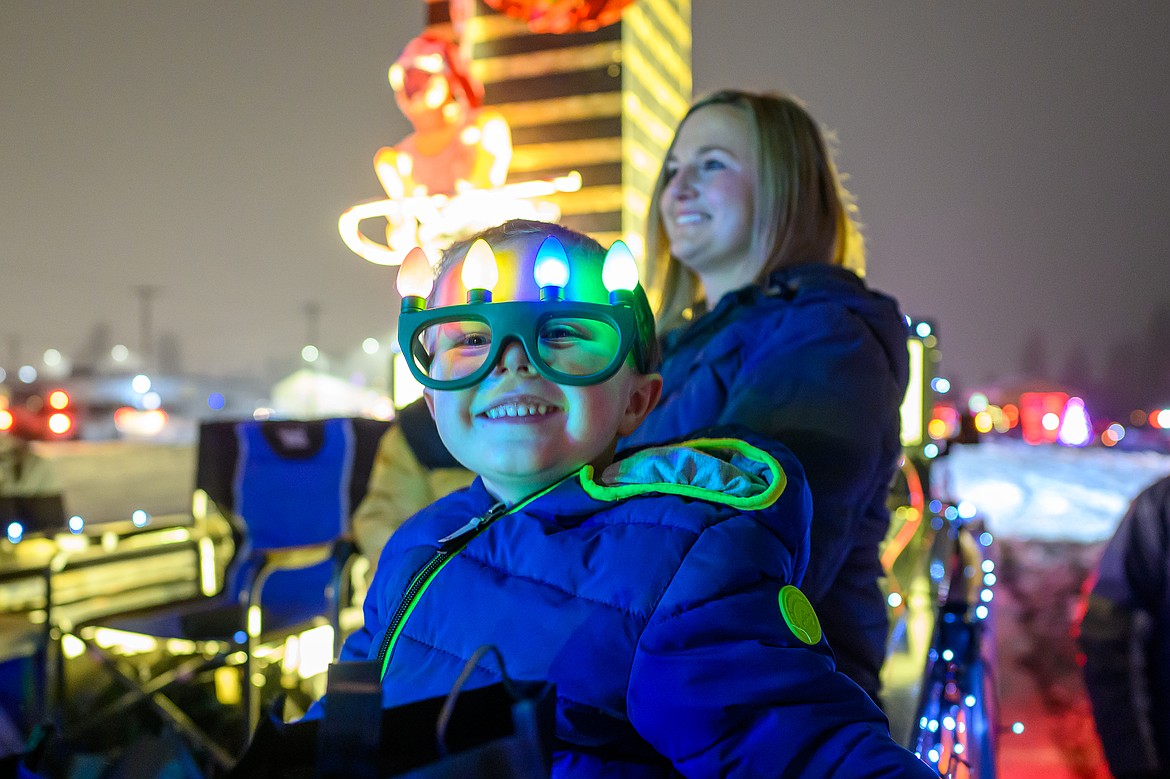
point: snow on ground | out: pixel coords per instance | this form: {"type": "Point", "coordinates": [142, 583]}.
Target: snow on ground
{"type": "Point", "coordinates": [1046, 493]}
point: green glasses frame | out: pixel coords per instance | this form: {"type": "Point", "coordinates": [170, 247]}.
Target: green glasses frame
{"type": "Point", "coordinates": [519, 320]}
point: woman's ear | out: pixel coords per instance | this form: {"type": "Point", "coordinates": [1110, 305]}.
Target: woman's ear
{"type": "Point", "coordinates": [645, 390]}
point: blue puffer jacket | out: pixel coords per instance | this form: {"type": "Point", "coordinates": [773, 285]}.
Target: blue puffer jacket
{"type": "Point", "coordinates": [818, 362]}
{"type": "Point", "coordinates": [651, 598]}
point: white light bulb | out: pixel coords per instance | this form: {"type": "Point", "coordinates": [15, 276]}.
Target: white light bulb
{"type": "Point", "coordinates": [415, 278]}
{"type": "Point", "coordinates": [479, 267]}
{"type": "Point", "coordinates": [620, 271]}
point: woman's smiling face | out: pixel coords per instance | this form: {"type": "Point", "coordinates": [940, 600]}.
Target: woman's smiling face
{"type": "Point", "coordinates": [707, 207]}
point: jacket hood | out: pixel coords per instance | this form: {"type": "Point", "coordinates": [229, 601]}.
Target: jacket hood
{"type": "Point", "coordinates": [720, 470]}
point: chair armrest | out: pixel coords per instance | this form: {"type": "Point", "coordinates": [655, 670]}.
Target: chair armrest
{"type": "Point", "coordinates": [341, 551]}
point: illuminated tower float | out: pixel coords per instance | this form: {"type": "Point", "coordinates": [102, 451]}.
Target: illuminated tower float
{"type": "Point", "coordinates": [560, 110]}
{"type": "Point", "coordinates": [551, 109]}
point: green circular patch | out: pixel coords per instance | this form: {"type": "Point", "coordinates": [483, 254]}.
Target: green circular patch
{"type": "Point", "coordinates": [799, 615]}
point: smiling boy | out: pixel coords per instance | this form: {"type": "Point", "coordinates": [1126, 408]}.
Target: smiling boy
{"type": "Point", "coordinates": [655, 592]}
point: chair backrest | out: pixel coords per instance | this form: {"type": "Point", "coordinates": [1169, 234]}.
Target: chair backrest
{"type": "Point", "coordinates": [290, 483]}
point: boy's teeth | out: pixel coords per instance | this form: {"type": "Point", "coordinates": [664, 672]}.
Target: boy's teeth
{"type": "Point", "coordinates": [516, 410]}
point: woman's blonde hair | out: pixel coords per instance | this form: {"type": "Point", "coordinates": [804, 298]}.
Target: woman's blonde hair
{"type": "Point", "coordinates": [803, 214]}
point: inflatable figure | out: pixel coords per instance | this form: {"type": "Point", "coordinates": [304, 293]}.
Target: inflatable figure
{"type": "Point", "coordinates": [561, 16]}
{"type": "Point", "coordinates": [456, 144]}
{"type": "Point", "coordinates": [445, 180]}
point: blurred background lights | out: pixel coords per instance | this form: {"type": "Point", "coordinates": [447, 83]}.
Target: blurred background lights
{"type": "Point", "coordinates": [215, 401]}
{"type": "Point", "coordinates": [985, 538]}
{"type": "Point", "coordinates": [981, 611]}
{"type": "Point", "coordinates": [310, 353]}
{"type": "Point", "coordinates": [119, 353]}
{"type": "Point", "coordinates": [1050, 421]}
{"type": "Point", "coordinates": [15, 532]}
{"type": "Point", "coordinates": [58, 399]}
{"type": "Point", "coordinates": [60, 423]}
{"type": "Point", "coordinates": [51, 358]}
{"type": "Point", "coordinates": [1162, 417]}
{"type": "Point", "coordinates": [27, 374]}
{"type": "Point", "coordinates": [977, 402]}
{"type": "Point", "coordinates": [940, 385]}
{"type": "Point", "coordinates": [930, 451]}
{"type": "Point", "coordinates": [969, 701]}
{"type": "Point", "coordinates": [1111, 435]}
{"type": "Point", "coordinates": [966, 509]}
{"type": "Point", "coordinates": [1017, 728]}
{"type": "Point", "coordinates": [1075, 427]}
{"type": "Point", "coordinates": [76, 524]}
{"type": "Point", "coordinates": [139, 518]}
{"type": "Point", "coordinates": [140, 383]}
{"type": "Point", "coordinates": [922, 329]}
{"type": "Point", "coordinates": [151, 400]}
{"type": "Point", "coordinates": [894, 599]}
{"type": "Point", "coordinates": [370, 346]}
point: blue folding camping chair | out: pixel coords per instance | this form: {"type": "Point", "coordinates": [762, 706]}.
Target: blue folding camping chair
{"type": "Point", "coordinates": [288, 489]}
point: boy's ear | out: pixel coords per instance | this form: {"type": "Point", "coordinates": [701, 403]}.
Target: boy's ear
{"type": "Point", "coordinates": [429, 397]}
{"type": "Point", "coordinates": [645, 391]}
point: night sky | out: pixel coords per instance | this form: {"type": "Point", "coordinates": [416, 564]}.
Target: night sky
{"type": "Point", "coordinates": [1008, 160]}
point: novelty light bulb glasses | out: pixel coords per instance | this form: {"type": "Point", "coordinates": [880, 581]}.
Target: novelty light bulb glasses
{"type": "Point", "coordinates": [567, 341]}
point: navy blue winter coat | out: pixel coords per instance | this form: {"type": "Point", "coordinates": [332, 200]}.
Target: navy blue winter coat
{"type": "Point", "coordinates": [817, 361]}
{"type": "Point", "coordinates": [651, 598]}
{"type": "Point", "coordinates": [1125, 635]}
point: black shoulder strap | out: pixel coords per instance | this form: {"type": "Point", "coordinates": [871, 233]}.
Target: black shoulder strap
{"type": "Point", "coordinates": [418, 428]}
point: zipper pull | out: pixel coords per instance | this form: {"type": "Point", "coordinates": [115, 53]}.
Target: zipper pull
{"type": "Point", "coordinates": [448, 541]}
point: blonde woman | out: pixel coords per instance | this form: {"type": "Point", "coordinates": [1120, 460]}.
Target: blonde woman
{"type": "Point", "coordinates": [765, 320]}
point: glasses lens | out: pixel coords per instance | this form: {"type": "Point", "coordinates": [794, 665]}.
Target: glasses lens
{"type": "Point", "coordinates": [453, 350]}
{"type": "Point", "coordinates": [577, 346]}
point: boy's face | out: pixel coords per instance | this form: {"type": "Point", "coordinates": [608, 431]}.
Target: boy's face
{"type": "Point", "coordinates": [517, 429]}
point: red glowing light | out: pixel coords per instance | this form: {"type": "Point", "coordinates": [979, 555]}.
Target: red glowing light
{"type": "Point", "coordinates": [60, 423]}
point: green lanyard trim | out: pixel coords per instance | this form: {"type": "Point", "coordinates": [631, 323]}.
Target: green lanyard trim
{"type": "Point", "coordinates": [446, 556]}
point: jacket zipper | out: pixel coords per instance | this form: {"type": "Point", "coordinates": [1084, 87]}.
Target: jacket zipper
{"type": "Point", "coordinates": [449, 546]}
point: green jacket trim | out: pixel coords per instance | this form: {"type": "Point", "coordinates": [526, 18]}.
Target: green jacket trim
{"type": "Point", "coordinates": [714, 447]}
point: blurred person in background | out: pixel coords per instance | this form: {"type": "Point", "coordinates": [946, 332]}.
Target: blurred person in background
{"type": "Point", "coordinates": [23, 472]}
{"type": "Point", "coordinates": [1125, 638]}
{"type": "Point", "coordinates": [412, 470]}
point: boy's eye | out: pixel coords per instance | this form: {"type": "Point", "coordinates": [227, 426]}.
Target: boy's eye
{"type": "Point", "coordinates": [474, 339]}
{"type": "Point", "coordinates": [713, 164]}
{"type": "Point", "coordinates": [458, 335]}
{"type": "Point", "coordinates": [560, 331]}
{"type": "Point", "coordinates": [668, 172]}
